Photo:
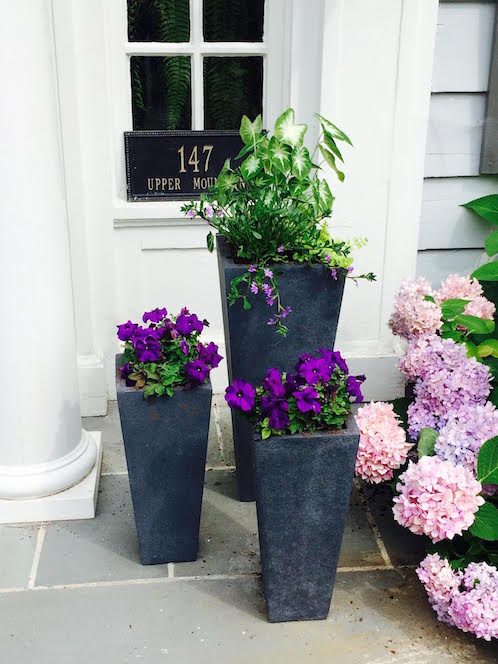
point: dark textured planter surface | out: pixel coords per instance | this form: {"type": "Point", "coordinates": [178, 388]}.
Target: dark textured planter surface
{"type": "Point", "coordinates": [166, 442]}
{"type": "Point", "coordinates": [252, 346]}
{"type": "Point", "coordinates": [303, 486]}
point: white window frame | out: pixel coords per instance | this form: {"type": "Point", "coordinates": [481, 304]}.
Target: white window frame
{"type": "Point", "coordinates": [274, 49]}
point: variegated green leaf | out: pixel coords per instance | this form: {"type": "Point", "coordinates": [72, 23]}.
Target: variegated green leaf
{"type": "Point", "coordinates": [333, 130]}
{"type": "Point", "coordinates": [301, 162]}
{"type": "Point", "coordinates": [279, 154]}
{"type": "Point", "coordinates": [250, 167]}
{"type": "Point", "coordinates": [250, 131]}
{"type": "Point", "coordinates": [330, 159]}
{"type": "Point", "coordinates": [323, 195]}
{"type": "Point", "coordinates": [287, 131]}
{"type": "Point", "coordinates": [328, 139]}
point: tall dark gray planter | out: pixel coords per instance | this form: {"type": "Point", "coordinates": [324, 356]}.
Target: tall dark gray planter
{"type": "Point", "coordinates": [252, 346]}
{"type": "Point", "coordinates": [303, 486]}
{"type": "Point", "coordinates": [165, 441]}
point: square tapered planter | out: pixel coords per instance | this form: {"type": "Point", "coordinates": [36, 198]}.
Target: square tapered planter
{"type": "Point", "coordinates": [303, 487]}
{"type": "Point", "coordinates": [252, 346]}
{"type": "Point", "coordinates": [165, 442]}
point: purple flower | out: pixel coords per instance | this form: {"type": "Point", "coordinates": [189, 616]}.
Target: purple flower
{"type": "Point", "coordinates": [350, 269]}
{"type": "Point", "coordinates": [240, 395]}
{"type": "Point", "coordinates": [280, 249]}
{"type": "Point", "coordinates": [268, 273]}
{"type": "Point", "coordinates": [327, 258]}
{"type": "Point", "coordinates": [285, 312]}
{"type": "Point", "coordinates": [293, 382]}
{"type": "Point", "coordinates": [187, 324]}
{"type": "Point", "coordinates": [276, 408]}
{"type": "Point", "coordinates": [147, 349]}
{"type": "Point", "coordinates": [273, 383]}
{"type": "Point", "coordinates": [126, 330]}
{"type": "Point", "coordinates": [266, 288]}
{"type": "Point", "coordinates": [209, 354]}
{"type": "Point", "coordinates": [209, 211]}
{"type": "Point", "coordinates": [353, 386]}
{"type": "Point", "coordinates": [184, 346]}
{"type": "Point", "coordinates": [333, 359]}
{"type": "Point", "coordinates": [272, 321]}
{"type": "Point", "coordinates": [307, 400]}
{"type": "Point", "coordinates": [155, 315]}
{"type": "Point", "coordinates": [197, 371]}
{"type": "Point", "coordinates": [314, 370]}
{"type": "Point", "coordinates": [125, 370]}
{"type": "Point", "coordinates": [254, 287]}
{"type": "Point", "coordinates": [191, 214]}
{"type": "Point", "coordinates": [251, 268]}
{"type": "Point", "coordinates": [270, 301]}
{"type": "Point", "coordinates": [334, 273]}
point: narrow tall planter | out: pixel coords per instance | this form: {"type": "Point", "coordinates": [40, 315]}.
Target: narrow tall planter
{"type": "Point", "coordinates": [165, 442]}
{"type": "Point", "coordinates": [303, 486]}
{"type": "Point", "coordinates": [252, 346]}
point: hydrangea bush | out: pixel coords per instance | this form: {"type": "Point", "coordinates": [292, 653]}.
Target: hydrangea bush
{"type": "Point", "coordinates": [273, 208]}
{"type": "Point", "coordinates": [317, 395]}
{"type": "Point", "coordinates": [166, 353]}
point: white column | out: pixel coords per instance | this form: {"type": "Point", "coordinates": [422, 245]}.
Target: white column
{"type": "Point", "coordinates": [43, 449]}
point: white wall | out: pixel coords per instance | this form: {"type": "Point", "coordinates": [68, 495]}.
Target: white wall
{"type": "Point", "coordinates": [451, 237]}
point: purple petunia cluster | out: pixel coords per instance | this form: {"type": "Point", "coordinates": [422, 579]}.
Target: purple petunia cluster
{"type": "Point", "coordinates": [167, 341]}
{"type": "Point", "coordinates": [304, 396]}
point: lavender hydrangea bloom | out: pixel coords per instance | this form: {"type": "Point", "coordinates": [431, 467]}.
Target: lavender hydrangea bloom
{"type": "Point", "coordinates": [240, 395]}
{"type": "Point", "coordinates": [314, 370]}
{"type": "Point", "coordinates": [209, 354]}
{"type": "Point", "coordinates": [155, 315]}
{"type": "Point", "coordinates": [147, 349]}
{"type": "Point", "coordinates": [126, 330]}
{"type": "Point", "coordinates": [197, 371]}
{"type": "Point", "coordinates": [188, 323]}
{"type": "Point", "coordinates": [307, 400]}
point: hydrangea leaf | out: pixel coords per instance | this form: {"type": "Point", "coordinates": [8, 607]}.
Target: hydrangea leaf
{"type": "Point", "coordinates": [250, 167]}
{"type": "Point", "coordinates": [426, 442]}
{"type": "Point", "coordinates": [491, 244]}
{"type": "Point", "coordinates": [287, 131]}
{"type": "Point", "coordinates": [279, 154]}
{"type": "Point", "coordinates": [487, 462]}
{"type": "Point", "coordinates": [475, 325]}
{"type": "Point", "coordinates": [301, 162]}
{"type": "Point", "coordinates": [487, 272]}
{"type": "Point", "coordinates": [453, 307]}
{"type": "Point", "coordinates": [486, 207]}
{"type": "Point", "coordinates": [250, 131]}
{"type": "Point", "coordinates": [485, 524]}
{"type": "Point", "coordinates": [487, 348]}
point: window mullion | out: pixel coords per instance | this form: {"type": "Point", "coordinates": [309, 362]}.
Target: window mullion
{"type": "Point", "coordinates": [196, 64]}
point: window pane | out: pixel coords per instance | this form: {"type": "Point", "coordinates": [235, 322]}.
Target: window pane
{"type": "Point", "coordinates": [233, 87]}
{"type": "Point", "coordinates": [233, 20]}
{"type": "Point", "coordinates": [160, 90]}
{"type": "Point", "coordinates": [158, 20]}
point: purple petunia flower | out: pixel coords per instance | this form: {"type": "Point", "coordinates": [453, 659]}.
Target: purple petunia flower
{"type": "Point", "coordinates": [147, 349]}
{"type": "Point", "coordinates": [155, 315]}
{"type": "Point", "coordinates": [209, 354]}
{"type": "Point", "coordinates": [314, 370]}
{"type": "Point", "coordinates": [273, 383]}
{"type": "Point", "coordinates": [187, 324]}
{"type": "Point", "coordinates": [307, 400]}
{"type": "Point", "coordinates": [254, 287]}
{"type": "Point", "coordinates": [240, 395]}
{"type": "Point", "coordinates": [280, 249]}
{"type": "Point", "coordinates": [197, 371]}
{"type": "Point", "coordinates": [184, 346]}
{"type": "Point", "coordinates": [125, 370]}
{"type": "Point", "coordinates": [126, 330]}
{"type": "Point", "coordinates": [251, 268]}
{"type": "Point", "coordinates": [268, 273]}
{"type": "Point", "coordinates": [278, 417]}
{"type": "Point", "coordinates": [333, 359]}
{"type": "Point", "coordinates": [293, 382]}
{"type": "Point", "coordinates": [353, 385]}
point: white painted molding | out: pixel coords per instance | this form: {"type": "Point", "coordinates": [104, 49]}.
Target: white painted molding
{"type": "Point", "coordinates": [91, 381]}
{"type": "Point", "coordinates": [42, 479]}
{"type": "Point", "coordinates": [77, 502]}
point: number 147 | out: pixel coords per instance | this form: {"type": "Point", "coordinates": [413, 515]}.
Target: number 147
{"type": "Point", "coordinates": [193, 160]}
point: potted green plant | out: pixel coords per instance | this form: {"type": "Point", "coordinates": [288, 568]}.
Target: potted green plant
{"type": "Point", "coordinates": [164, 400]}
{"type": "Point", "coordinates": [305, 445]}
{"type": "Point", "coordinates": [281, 274]}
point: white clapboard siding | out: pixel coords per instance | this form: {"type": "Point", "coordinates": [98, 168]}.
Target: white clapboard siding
{"type": "Point", "coordinates": [463, 46]}
{"type": "Point", "coordinates": [436, 265]}
{"type": "Point", "coordinates": [454, 135]}
{"type": "Point", "coordinates": [444, 224]}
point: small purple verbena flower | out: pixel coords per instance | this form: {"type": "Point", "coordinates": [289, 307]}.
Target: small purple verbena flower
{"type": "Point", "coordinates": [254, 287]}
{"type": "Point", "coordinates": [240, 395]}
{"type": "Point", "coordinates": [273, 383]}
{"type": "Point", "coordinates": [307, 400]}
{"type": "Point", "coordinates": [197, 371]}
{"type": "Point", "coordinates": [209, 354]}
{"type": "Point", "coordinates": [314, 370]}
{"type": "Point", "coordinates": [187, 324]}
{"type": "Point", "coordinates": [155, 316]}
{"type": "Point", "coordinates": [280, 249]}
{"type": "Point", "coordinates": [147, 349]}
{"type": "Point", "coordinates": [270, 301]}
{"type": "Point", "coordinates": [334, 273]}
{"type": "Point", "coordinates": [266, 288]}
{"type": "Point", "coordinates": [209, 211]}
{"type": "Point", "coordinates": [268, 273]}
{"type": "Point", "coordinates": [272, 321]}
{"type": "Point", "coordinates": [191, 214]}
{"type": "Point", "coordinates": [252, 268]}
{"type": "Point", "coordinates": [126, 330]}
{"type": "Point", "coordinates": [327, 258]}
{"type": "Point", "coordinates": [286, 312]}
{"type": "Point", "coordinates": [350, 269]}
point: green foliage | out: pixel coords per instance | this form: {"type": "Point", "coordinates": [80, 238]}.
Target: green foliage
{"type": "Point", "coordinates": [426, 442]}
{"type": "Point", "coordinates": [486, 207]}
{"type": "Point", "coordinates": [272, 207]}
{"type": "Point", "coordinates": [485, 525]}
{"type": "Point", "coordinates": [487, 272]}
{"type": "Point", "coordinates": [487, 462]}
{"type": "Point", "coordinates": [491, 244]}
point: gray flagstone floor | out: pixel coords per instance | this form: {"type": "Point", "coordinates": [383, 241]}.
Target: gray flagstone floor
{"type": "Point", "coordinates": [75, 592]}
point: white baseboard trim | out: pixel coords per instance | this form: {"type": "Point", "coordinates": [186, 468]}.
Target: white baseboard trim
{"type": "Point", "coordinates": [91, 379]}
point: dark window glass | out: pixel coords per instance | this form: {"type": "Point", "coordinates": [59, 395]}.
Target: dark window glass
{"type": "Point", "coordinates": [158, 20]}
{"type": "Point", "coordinates": [160, 90]}
{"type": "Point", "coordinates": [233, 20]}
{"type": "Point", "coordinates": [233, 87]}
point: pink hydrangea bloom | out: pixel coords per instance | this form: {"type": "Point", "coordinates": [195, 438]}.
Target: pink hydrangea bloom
{"type": "Point", "coordinates": [447, 381]}
{"type": "Point", "coordinates": [437, 498]}
{"type": "Point", "coordinates": [459, 288]}
{"type": "Point", "coordinates": [383, 446]}
{"type": "Point", "coordinates": [412, 314]}
{"type": "Point", "coordinates": [461, 438]}
{"type": "Point", "coordinates": [480, 307]}
{"type": "Point", "coordinates": [440, 583]}
{"type": "Point", "coordinates": [417, 359]}
{"type": "Point", "coordinates": [468, 600]}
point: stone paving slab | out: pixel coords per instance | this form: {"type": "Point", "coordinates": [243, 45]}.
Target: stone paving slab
{"type": "Point", "coordinates": [375, 618]}
{"type": "Point", "coordinates": [17, 547]}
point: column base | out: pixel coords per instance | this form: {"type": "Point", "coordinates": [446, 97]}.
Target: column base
{"type": "Point", "coordinates": [77, 502]}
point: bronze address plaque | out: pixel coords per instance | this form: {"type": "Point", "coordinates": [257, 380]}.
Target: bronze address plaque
{"type": "Point", "coordinates": [176, 165]}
